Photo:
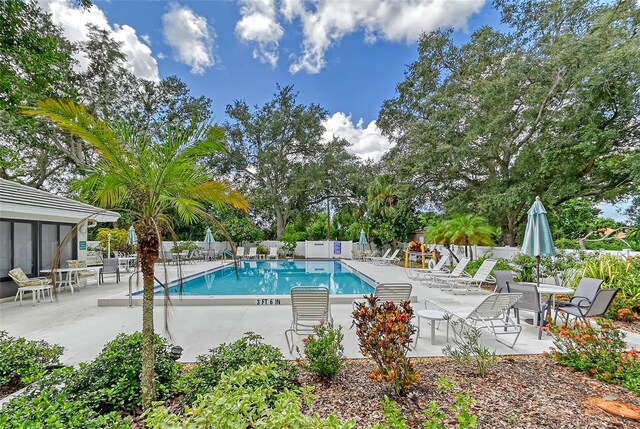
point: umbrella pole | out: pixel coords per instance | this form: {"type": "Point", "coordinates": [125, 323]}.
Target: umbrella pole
{"type": "Point", "coordinates": [538, 271]}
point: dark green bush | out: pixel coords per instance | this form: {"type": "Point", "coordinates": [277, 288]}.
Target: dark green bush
{"type": "Point", "coordinates": [112, 380]}
{"type": "Point", "coordinates": [246, 351]}
{"type": "Point", "coordinates": [46, 405]}
{"type": "Point", "coordinates": [22, 361]}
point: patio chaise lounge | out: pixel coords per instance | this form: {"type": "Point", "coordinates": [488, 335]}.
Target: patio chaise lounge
{"type": "Point", "coordinates": [240, 252]}
{"type": "Point", "coordinates": [491, 314]}
{"type": "Point", "coordinates": [35, 285]}
{"type": "Point", "coordinates": [389, 260]}
{"type": "Point", "coordinates": [418, 274]}
{"type": "Point", "coordinates": [310, 307]}
{"type": "Point", "coordinates": [433, 277]}
{"type": "Point", "coordinates": [273, 253]}
{"type": "Point", "coordinates": [464, 283]}
{"type": "Point", "coordinates": [253, 253]}
{"type": "Point", "coordinates": [378, 258]}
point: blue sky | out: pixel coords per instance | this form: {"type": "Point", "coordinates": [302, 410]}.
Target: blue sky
{"type": "Point", "coordinates": [346, 55]}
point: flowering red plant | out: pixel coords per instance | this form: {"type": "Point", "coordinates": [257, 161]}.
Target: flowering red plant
{"type": "Point", "coordinates": [384, 332]}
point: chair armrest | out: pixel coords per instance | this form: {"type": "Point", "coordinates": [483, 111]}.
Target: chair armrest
{"type": "Point", "coordinates": [580, 301]}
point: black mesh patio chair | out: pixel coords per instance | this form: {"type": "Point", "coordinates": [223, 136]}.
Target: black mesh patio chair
{"type": "Point", "coordinates": [585, 293]}
{"type": "Point", "coordinates": [110, 266]}
{"type": "Point", "coordinates": [598, 306]}
{"type": "Point", "coordinates": [503, 279]}
{"type": "Point", "coordinates": [530, 301]}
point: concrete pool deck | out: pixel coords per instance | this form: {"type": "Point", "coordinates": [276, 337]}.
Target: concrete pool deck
{"type": "Point", "coordinates": [76, 322]}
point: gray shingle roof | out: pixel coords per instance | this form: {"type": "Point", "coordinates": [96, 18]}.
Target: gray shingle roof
{"type": "Point", "coordinates": [17, 197]}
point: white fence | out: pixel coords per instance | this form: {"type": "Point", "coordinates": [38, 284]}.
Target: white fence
{"type": "Point", "coordinates": [343, 249]}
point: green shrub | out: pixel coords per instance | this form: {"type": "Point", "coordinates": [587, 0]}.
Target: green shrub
{"type": "Point", "coordinates": [246, 398]}
{"type": "Point", "coordinates": [473, 266]}
{"type": "Point", "coordinates": [384, 333]}
{"type": "Point", "coordinates": [435, 416]}
{"type": "Point", "coordinates": [598, 351]}
{"type": "Point", "coordinates": [119, 240]}
{"type": "Point", "coordinates": [323, 350]}
{"type": "Point", "coordinates": [47, 405]}
{"type": "Point", "coordinates": [112, 380]}
{"type": "Point", "coordinates": [616, 273]}
{"type": "Point", "coordinates": [229, 357]}
{"type": "Point", "coordinates": [22, 361]}
{"type": "Point", "coordinates": [469, 352]}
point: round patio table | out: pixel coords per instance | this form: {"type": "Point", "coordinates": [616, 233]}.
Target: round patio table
{"type": "Point", "coordinates": [433, 316]}
{"type": "Point", "coordinates": [551, 291]}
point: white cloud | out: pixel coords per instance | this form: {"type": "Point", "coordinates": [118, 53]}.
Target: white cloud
{"type": "Point", "coordinates": [366, 143]}
{"type": "Point", "coordinates": [259, 26]}
{"type": "Point", "coordinates": [74, 21]}
{"type": "Point", "coordinates": [190, 36]}
{"type": "Point", "coordinates": [325, 22]}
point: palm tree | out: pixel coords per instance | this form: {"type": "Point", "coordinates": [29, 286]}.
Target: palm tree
{"type": "Point", "coordinates": [439, 234]}
{"type": "Point", "coordinates": [382, 197]}
{"type": "Point", "coordinates": [467, 230]}
{"type": "Point", "coordinates": [153, 177]}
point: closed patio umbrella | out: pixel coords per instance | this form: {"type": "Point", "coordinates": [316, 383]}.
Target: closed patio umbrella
{"type": "Point", "coordinates": [132, 238]}
{"type": "Point", "coordinates": [208, 239]}
{"type": "Point", "coordinates": [537, 236]}
{"type": "Point", "coordinates": [362, 241]}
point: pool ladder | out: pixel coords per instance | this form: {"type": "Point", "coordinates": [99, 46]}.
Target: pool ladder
{"type": "Point", "coordinates": [137, 284]}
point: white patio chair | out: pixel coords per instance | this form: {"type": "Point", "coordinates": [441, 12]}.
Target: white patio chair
{"type": "Point", "coordinates": [240, 252]}
{"type": "Point", "coordinates": [418, 274]}
{"type": "Point", "coordinates": [434, 277]}
{"type": "Point", "coordinates": [492, 314]}
{"type": "Point", "coordinates": [253, 253]}
{"type": "Point", "coordinates": [395, 292]}
{"type": "Point", "coordinates": [378, 258]}
{"type": "Point", "coordinates": [389, 260]}
{"type": "Point", "coordinates": [273, 253]}
{"type": "Point", "coordinates": [310, 307]}
{"type": "Point", "coordinates": [464, 283]}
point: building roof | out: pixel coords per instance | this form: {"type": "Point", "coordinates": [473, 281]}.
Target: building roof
{"type": "Point", "coordinates": [18, 200]}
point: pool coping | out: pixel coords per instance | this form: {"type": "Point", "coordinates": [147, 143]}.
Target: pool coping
{"type": "Point", "coordinates": [122, 299]}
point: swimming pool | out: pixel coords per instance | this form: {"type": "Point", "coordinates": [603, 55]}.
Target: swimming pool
{"type": "Point", "coordinates": [267, 278]}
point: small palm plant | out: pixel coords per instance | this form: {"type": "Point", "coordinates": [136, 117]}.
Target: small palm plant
{"type": "Point", "coordinates": [150, 177]}
{"type": "Point", "coordinates": [464, 230]}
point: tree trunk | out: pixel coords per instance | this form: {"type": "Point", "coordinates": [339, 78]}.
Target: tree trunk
{"type": "Point", "coordinates": [510, 233]}
{"type": "Point", "coordinates": [148, 253]}
{"type": "Point", "coordinates": [279, 221]}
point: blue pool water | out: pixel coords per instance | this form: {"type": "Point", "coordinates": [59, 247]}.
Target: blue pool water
{"type": "Point", "coordinates": [276, 278]}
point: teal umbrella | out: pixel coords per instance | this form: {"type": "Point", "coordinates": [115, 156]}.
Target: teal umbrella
{"type": "Point", "coordinates": [208, 239]}
{"type": "Point", "coordinates": [132, 238]}
{"type": "Point", "coordinates": [537, 237]}
{"type": "Point", "coordinates": [363, 240]}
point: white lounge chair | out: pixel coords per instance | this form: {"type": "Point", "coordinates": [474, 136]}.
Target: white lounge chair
{"type": "Point", "coordinates": [436, 276]}
{"type": "Point", "coordinates": [310, 307]}
{"type": "Point", "coordinates": [464, 283]}
{"type": "Point", "coordinates": [491, 314]}
{"type": "Point", "coordinates": [253, 253]}
{"type": "Point", "coordinates": [273, 253]}
{"type": "Point", "coordinates": [395, 292]}
{"type": "Point", "coordinates": [418, 274]}
{"type": "Point", "coordinates": [378, 258]}
{"type": "Point", "coordinates": [389, 260]}
{"type": "Point", "coordinates": [240, 252]}
{"type": "Point", "coordinates": [36, 285]}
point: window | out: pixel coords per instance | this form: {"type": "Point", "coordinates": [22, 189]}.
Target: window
{"type": "Point", "coordinates": [51, 236]}
{"type": "Point", "coordinates": [5, 248]}
{"type": "Point", "coordinates": [17, 249]}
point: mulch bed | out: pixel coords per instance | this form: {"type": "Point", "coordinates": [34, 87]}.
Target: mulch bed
{"type": "Point", "coordinates": [629, 326]}
{"type": "Point", "coordinates": [8, 390]}
{"type": "Point", "coordinates": [519, 392]}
